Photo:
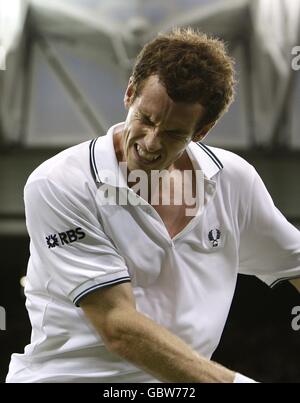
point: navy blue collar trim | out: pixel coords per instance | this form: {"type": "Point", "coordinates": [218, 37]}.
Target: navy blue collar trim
{"type": "Point", "coordinates": [93, 161]}
{"type": "Point", "coordinates": [211, 155]}
{"type": "Point", "coordinates": [95, 173]}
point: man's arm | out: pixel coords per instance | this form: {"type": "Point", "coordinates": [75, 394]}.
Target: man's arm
{"type": "Point", "coordinates": [296, 283]}
{"type": "Point", "coordinates": [144, 343]}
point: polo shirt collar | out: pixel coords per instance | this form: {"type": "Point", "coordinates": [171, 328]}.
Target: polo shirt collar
{"type": "Point", "coordinates": [106, 169]}
{"type": "Point", "coordinates": [206, 159]}
{"type": "Point", "coordinates": [103, 161]}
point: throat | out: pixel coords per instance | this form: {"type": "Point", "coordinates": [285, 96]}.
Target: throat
{"type": "Point", "coordinates": [175, 218]}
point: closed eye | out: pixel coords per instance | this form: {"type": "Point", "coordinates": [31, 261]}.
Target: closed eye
{"type": "Point", "coordinates": [175, 134]}
{"type": "Point", "coordinates": [146, 120]}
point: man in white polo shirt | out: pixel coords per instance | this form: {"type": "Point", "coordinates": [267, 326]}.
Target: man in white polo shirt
{"type": "Point", "coordinates": [122, 289]}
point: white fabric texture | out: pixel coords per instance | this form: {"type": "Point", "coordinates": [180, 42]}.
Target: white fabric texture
{"type": "Point", "coordinates": [185, 283]}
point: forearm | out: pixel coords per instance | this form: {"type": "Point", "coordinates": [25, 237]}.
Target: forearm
{"type": "Point", "coordinates": [166, 357]}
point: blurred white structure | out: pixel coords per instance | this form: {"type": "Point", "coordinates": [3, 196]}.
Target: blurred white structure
{"type": "Point", "coordinates": [68, 63]}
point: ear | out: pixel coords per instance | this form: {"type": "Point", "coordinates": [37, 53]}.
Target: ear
{"type": "Point", "coordinates": [129, 94]}
{"type": "Point", "coordinates": [201, 133]}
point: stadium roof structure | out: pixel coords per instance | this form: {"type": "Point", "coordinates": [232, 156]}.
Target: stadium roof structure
{"type": "Point", "coordinates": [68, 62]}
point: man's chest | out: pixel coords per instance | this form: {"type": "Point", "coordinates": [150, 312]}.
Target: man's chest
{"type": "Point", "coordinates": [173, 201]}
{"type": "Point", "coordinates": [175, 218]}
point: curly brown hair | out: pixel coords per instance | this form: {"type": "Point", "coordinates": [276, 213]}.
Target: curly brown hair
{"type": "Point", "coordinates": [193, 67]}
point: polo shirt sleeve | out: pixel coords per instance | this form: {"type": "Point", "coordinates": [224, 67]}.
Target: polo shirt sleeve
{"type": "Point", "coordinates": [67, 240]}
{"type": "Point", "coordinates": [269, 244]}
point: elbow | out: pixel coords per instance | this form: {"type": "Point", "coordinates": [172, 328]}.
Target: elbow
{"type": "Point", "coordinates": [116, 346]}
{"type": "Point", "coordinates": [112, 341]}
{"type": "Point", "coordinates": [117, 338]}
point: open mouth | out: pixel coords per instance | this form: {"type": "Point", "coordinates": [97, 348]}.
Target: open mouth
{"type": "Point", "coordinates": [145, 158]}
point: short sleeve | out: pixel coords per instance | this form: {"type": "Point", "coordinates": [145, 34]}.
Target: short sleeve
{"type": "Point", "coordinates": [68, 241]}
{"type": "Point", "coordinates": [269, 244]}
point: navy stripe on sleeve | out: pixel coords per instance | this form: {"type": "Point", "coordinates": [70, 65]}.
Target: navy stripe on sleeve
{"type": "Point", "coordinates": [102, 285]}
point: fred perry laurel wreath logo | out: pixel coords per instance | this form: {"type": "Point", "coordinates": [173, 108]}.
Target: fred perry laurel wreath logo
{"type": "Point", "coordinates": [214, 237]}
{"type": "Point", "coordinates": [64, 238]}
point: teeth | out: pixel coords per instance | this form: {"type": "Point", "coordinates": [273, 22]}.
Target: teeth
{"type": "Point", "coordinates": [149, 157]}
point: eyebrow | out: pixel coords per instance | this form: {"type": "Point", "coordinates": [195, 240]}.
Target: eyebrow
{"type": "Point", "coordinates": [147, 116]}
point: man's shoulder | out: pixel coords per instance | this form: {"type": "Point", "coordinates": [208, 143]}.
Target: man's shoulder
{"type": "Point", "coordinates": [233, 165]}
{"type": "Point", "coordinates": [229, 158]}
{"type": "Point", "coordinates": [67, 169]}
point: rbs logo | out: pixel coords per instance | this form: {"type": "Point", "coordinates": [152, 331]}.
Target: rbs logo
{"type": "Point", "coordinates": [64, 238]}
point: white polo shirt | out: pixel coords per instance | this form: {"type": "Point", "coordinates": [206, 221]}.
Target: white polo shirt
{"type": "Point", "coordinates": [186, 284]}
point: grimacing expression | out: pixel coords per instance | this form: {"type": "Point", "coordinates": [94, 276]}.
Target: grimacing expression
{"type": "Point", "coordinates": [157, 130]}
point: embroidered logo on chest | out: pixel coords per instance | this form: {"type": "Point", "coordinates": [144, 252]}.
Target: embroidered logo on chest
{"type": "Point", "coordinates": [214, 237]}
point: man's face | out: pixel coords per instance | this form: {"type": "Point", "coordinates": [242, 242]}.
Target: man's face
{"type": "Point", "coordinates": [157, 130]}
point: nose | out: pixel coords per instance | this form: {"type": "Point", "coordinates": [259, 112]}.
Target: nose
{"type": "Point", "coordinates": [152, 140]}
